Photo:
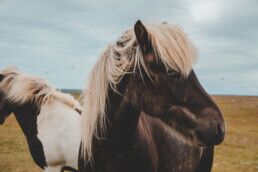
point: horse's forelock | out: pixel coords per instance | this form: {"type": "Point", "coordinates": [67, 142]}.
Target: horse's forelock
{"type": "Point", "coordinates": [173, 47]}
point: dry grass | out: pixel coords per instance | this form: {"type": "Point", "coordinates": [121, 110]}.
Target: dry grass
{"type": "Point", "coordinates": [238, 153]}
{"type": "Point", "coordinates": [14, 154]}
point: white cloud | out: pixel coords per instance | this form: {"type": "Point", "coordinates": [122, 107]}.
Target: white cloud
{"type": "Point", "coordinates": [205, 11]}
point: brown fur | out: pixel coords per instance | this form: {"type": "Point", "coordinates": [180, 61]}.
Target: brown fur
{"type": "Point", "coordinates": [144, 132]}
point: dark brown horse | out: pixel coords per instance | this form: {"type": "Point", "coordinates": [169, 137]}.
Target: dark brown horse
{"type": "Point", "coordinates": [144, 108]}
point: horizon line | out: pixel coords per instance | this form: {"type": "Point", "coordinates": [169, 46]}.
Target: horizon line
{"type": "Point", "coordinates": [77, 90]}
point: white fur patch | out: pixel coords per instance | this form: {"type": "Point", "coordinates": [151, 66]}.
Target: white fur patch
{"type": "Point", "coordinates": [59, 133]}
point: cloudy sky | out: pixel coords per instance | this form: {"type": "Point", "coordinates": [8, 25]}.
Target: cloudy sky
{"type": "Point", "coordinates": [60, 40]}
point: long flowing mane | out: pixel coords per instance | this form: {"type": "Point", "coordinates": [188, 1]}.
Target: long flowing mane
{"type": "Point", "coordinates": [171, 45]}
{"type": "Point", "coordinates": [20, 88]}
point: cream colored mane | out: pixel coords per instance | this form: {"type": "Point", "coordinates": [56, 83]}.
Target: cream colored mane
{"type": "Point", "coordinates": [20, 88]}
{"type": "Point", "coordinates": [170, 44]}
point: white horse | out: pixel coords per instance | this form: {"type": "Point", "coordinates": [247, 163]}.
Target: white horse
{"type": "Point", "coordinates": [48, 118]}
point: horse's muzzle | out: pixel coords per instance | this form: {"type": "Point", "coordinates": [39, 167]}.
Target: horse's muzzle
{"type": "Point", "coordinates": [212, 136]}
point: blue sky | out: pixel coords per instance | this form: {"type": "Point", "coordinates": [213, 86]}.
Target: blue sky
{"type": "Point", "coordinates": [60, 40]}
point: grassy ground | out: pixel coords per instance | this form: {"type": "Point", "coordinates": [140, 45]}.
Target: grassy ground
{"type": "Point", "coordinates": [238, 153]}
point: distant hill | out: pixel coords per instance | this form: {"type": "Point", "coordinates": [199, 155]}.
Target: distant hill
{"type": "Point", "coordinates": [71, 91]}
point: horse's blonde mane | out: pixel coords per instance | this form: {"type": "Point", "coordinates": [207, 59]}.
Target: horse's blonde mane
{"type": "Point", "coordinates": [171, 46]}
{"type": "Point", "coordinates": [20, 88]}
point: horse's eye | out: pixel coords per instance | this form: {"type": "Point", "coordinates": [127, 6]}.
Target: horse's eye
{"type": "Point", "coordinates": [171, 73]}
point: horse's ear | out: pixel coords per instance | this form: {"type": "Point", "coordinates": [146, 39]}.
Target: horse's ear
{"type": "Point", "coordinates": [1, 77]}
{"type": "Point", "coordinates": [142, 37]}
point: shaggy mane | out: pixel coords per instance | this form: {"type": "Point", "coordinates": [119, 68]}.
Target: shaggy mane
{"type": "Point", "coordinates": [21, 88]}
{"type": "Point", "coordinates": [171, 45]}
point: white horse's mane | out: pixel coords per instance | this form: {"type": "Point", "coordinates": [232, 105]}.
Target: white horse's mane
{"type": "Point", "coordinates": [170, 44]}
{"type": "Point", "coordinates": [20, 88]}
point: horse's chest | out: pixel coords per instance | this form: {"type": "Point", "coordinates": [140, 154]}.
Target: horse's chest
{"type": "Point", "coordinates": [113, 160]}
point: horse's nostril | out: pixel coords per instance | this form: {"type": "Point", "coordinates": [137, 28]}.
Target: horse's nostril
{"type": "Point", "coordinates": [220, 129]}
{"type": "Point", "coordinates": [220, 132]}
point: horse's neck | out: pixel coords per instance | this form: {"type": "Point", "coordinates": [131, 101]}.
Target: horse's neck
{"type": "Point", "coordinates": [26, 116]}
{"type": "Point", "coordinates": [122, 115]}
{"type": "Point", "coordinates": [121, 123]}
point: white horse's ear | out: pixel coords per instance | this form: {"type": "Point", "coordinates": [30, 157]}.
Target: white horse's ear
{"type": "Point", "coordinates": [1, 77]}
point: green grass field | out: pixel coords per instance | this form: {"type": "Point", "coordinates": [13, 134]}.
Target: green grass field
{"type": "Point", "coordinates": [238, 153]}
